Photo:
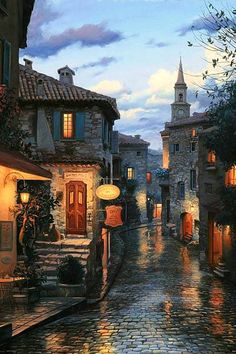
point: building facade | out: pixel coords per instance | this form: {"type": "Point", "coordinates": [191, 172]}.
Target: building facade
{"type": "Point", "coordinates": [180, 157]}
{"type": "Point", "coordinates": [70, 131]}
{"type": "Point", "coordinates": [154, 163]}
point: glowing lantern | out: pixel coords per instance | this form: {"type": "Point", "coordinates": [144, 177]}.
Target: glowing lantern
{"type": "Point", "coordinates": [107, 192]}
{"type": "Point", "coordinates": [24, 196]}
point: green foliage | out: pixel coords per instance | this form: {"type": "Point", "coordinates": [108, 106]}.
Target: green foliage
{"type": "Point", "coordinates": [70, 271]}
{"type": "Point", "coordinates": [222, 114]}
{"type": "Point", "coordinates": [34, 275]}
{"type": "Point", "coordinates": [11, 133]}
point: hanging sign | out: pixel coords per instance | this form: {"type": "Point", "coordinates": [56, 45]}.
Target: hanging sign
{"type": "Point", "coordinates": [113, 216]}
{"type": "Point", "coordinates": [107, 192]}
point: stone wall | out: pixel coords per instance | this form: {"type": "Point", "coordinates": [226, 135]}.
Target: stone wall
{"type": "Point", "coordinates": [154, 162]}
{"type": "Point", "coordinates": [136, 157]}
{"type": "Point", "coordinates": [180, 164]}
{"type": "Point", "coordinates": [64, 173]}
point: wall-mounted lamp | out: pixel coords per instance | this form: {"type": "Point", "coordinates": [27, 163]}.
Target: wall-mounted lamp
{"type": "Point", "coordinates": [24, 195]}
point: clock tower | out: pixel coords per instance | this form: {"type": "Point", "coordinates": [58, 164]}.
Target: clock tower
{"type": "Point", "coordinates": [180, 109]}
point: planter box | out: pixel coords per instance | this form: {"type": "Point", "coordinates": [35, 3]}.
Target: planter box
{"type": "Point", "coordinates": [72, 290]}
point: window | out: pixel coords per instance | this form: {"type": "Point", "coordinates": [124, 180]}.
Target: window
{"type": "Point", "coordinates": [193, 146]}
{"type": "Point", "coordinates": [180, 97]}
{"type": "Point", "coordinates": [5, 62]}
{"type": "Point", "coordinates": [138, 153]}
{"type": "Point", "coordinates": [230, 177]}
{"type": "Point", "coordinates": [176, 147]}
{"type": "Point", "coordinates": [208, 188]}
{"type": "Point", "coordinates": [181, 190]}
{"type": "Point", "coordinates": [68, 125]}
{"type": "Point", "coordinates": [130, 173]}
{"type": "Point", "coordinates": [211, 157]}
{"type": "Point", "coordinates": [194, 133]}
{"type": "Point", "coordinates": [3, 7]}
{"type": "Point", "coordinates": [193, 179]}
{"type": "Point", "coordinates": [149, 177]}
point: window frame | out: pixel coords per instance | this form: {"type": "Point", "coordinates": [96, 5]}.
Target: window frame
{"type": "Point", "coordinates": [62, 125]}
{"type": "Point", "coordinates": [193, 179]}
{"type": "Point", "coordinates": [230, 181]}
{"type": "Point", "coordinates": [132, 173]}
{"type": "Point", "coordinates": [210, 158]}
{"type": "Point", "coordinates": [181, 190]}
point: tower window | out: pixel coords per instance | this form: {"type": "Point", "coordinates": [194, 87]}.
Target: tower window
{"type": "Point", "coordinates": [181, 190]}
{"type": "Point", "coordinates": [193, 179]}
{"type": "Point", "coordinates": [180, 97]}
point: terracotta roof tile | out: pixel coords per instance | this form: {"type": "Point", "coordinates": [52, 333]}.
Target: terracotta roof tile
{"type": "Point", "coordinates": [131, 140]}
{"type": "Point", "coordinates": [54, 90]}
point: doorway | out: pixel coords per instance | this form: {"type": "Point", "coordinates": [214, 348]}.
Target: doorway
{"type": "Point", "coordinates": [215, 241]}
{"type": "Point", "coordinates": [76, 207]}
{"type": "Point", "coordinates": [186, 227]}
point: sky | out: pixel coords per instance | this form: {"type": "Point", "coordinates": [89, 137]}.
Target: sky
{"type": "Point", "coordinates": [126, 49]}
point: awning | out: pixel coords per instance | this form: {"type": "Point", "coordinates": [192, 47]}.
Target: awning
{"type": "Point", "coordinates": [17, 161]}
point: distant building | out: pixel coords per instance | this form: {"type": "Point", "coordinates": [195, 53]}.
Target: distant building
{"type": "Point", "coordinates": [70, 130]}
{"type": "Point", "coordinates": [180, 157]}
{"type": "Point", "coordinates": [130, 161]}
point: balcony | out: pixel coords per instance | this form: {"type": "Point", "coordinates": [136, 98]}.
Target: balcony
{"type": "Point", "coordinates": [163, 177]}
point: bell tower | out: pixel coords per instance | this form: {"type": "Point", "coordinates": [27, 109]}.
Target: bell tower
{"type": "Point", "coordinates": [180, 109]}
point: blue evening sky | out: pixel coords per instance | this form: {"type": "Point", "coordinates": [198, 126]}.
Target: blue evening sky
{"type": "Point", "coordinates": [127, 49]}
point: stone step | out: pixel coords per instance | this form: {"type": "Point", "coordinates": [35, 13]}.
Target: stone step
{"type": "Point", "coordinates": [63, 252]}
{"type": "Point", "coordinates": [76, 244]}
{"type": "Point", "coordinates": [53, 262]}
{"type": "Point", "coordinates": [75, 237]}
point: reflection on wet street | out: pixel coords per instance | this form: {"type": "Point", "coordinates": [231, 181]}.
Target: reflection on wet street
{"type": "Point", "coordinates": [160, 303]}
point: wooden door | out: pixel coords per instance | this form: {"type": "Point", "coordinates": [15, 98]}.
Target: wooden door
{"type": "Point", "coordinates": [215, 242]}
{"type": "Point", "coordinates": [76, 203]}
{"type": "Point", "coordinates": [187, 225]}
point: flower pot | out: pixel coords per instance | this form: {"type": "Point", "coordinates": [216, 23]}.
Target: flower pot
{"type": "Point", "coordinates": [72, 290]}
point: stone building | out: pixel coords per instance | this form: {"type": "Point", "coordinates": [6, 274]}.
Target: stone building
{"type": "Point", "coordinates": [180, 157]}
{"type": "Point", "coordinates": [217, 245]}
{"type": "Point", "coordinates": [14, 20]}
{"type": "Point", "coordinates": [70, 132]}
{"type": "Point", "coordinates": [154, 163]}
{"type": "Point", "coordinates": [131, 162]}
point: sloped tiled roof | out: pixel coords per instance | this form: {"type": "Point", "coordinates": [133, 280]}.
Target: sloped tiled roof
{"type": "Point", "coordinates": [131, 140]}
{"type": "Point", "coordinates": [55, 91]}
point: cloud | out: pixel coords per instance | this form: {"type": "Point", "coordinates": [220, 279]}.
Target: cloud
{"type": "Point", "coordinates": [199, 24]}
{"type": "Point", "coordinates": [110, 87]}
{"type": "Point", "coordinates": [153, 43]}
{"type": "Point", "coordinates": [87, 36]}
{"type": "Point", "coordinates": [103, 62]}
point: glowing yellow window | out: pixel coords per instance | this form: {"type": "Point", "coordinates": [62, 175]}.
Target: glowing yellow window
{"type": "Point", "coordinates": [211, 157]}
{"type": "Point", "coordinates": [194, 133]}
{"type": "Point", "coordinates": [230, 177]}
{"type": "Point", "coordinates": [68, 126]}
{"type": "Point", "coordinates": [130, 173]}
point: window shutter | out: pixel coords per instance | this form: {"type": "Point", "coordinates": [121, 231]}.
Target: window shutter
{"type": "Point", "coordinates": [172, 148]}
{"type": "Point", "coordinates": [79, 125]}
{"type": "Point", "coordinates": [6, 63]}
{"type": "Point", "coordinates": [57, 125]}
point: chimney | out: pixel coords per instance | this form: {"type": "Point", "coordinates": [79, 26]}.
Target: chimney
{"type": "Point", "coordinates": [28, 64]}
{"type": "Point", "coordinates": [66, 75]}
{"type": "Point", "coordinates": [137, 136]}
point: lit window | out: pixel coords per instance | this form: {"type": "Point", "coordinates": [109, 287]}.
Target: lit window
{"type": "Point", "coordinates": [230, 178]}
{"type": "Point", "coordinates": [211, 157]}
{"type": "Point", "coordinates": [194, 133]}
{"type": "Point", "coordinates": [149, 177]}
{"type": "Point", "coordinates": [68, 126]}
{"type": "Point", "coordinates": [130, 173]}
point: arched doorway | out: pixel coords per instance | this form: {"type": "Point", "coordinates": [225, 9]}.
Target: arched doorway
{"type": "Point", "coordinates": [186, 227]}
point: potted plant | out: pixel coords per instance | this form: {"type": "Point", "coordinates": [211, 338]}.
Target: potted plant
{"type": "Point", "coordinates": [71, 277]}
{"type": "Point", "coordinates": [32, 279]}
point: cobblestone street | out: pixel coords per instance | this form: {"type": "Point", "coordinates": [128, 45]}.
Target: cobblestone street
{"type": "Point", "coordinates": [159, 303]}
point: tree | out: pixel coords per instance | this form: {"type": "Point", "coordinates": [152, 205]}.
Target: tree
{"type": "Point", "coordinates": [11, 133]}
{"type": "Point", "coordinates": [219, 38]}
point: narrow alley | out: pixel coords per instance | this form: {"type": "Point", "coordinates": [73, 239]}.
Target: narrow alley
{"type": "Point", "coordinates": [160, 303]}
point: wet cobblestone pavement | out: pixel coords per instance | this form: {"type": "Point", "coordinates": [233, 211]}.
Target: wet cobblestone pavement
{"type": "Point", "coordinates": [160, 303]}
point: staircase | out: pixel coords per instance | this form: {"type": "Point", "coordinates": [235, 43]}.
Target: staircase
{"type": "Point", "coordinates": [50, 254]}
{"type": "Point", "coordinates": [221, 270]}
